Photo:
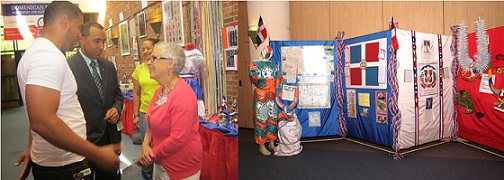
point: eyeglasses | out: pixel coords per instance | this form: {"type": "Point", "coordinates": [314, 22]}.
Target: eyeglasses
{"type": "Point", "coordinates": [153, 58]}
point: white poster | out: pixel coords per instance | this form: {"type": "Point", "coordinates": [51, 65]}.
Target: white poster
{"type": "Point", "coordinates": [312, 63]}
{"type": "Point", "coordinates": [288, 92]}
{"type": "Point", "coordinates": [408, 75]}
{"type": "Point", "coordinates": [484, 85]}
{"type": "Point", "coordinates": [314, 95]}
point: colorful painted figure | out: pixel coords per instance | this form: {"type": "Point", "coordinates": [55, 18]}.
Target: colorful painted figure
{"type": "Point", "coordinates": [289, 127]}
{"type": "Point", "coordinates": [264, 74]}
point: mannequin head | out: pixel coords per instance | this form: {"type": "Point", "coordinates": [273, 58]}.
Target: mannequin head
{"type": "Point", "coordinates": [266, 53]}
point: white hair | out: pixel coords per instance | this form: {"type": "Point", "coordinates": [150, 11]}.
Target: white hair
{"type": "Point", "coordinates": [175, 52]}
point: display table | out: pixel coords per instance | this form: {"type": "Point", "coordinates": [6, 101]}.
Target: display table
{"type": "Point", "coordinates": [127, 118]}
{"type": "Point", "coordinates": [220, 155]}
{"type": "Point", "coordinates": [220, 152]}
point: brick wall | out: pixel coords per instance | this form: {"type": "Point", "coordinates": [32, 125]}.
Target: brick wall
{"type": "Point", "coordinates": [126, 64]}
{"type": "Point", "coordinates": [230, 18]}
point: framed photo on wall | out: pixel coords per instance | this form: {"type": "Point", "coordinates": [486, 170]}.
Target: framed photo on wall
{"type": "Point", "coordinates": [142, 25]}
{"type": "Point", "coordinates": [109, 38]}
{"type": "Point", "coordinates": [232, 36]}
{"type": "Point", "coordinates": [173, 22]}
{"type": "Point", "coordinates": [135, 48]}
{"type": "Point", "coordinates": [231, 59]}
{"type": "Point", "coordinates": [124, 38]}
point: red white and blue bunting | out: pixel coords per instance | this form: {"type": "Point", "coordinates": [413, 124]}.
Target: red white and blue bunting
{"type": "Point", "coordinates": [338, 86]}
{"type": "Point", "coordinates": [415, 85]}
{"type": "Point", "coordinates": [393, 107]}
{"type": "Point", "coordinates": [441, 96]}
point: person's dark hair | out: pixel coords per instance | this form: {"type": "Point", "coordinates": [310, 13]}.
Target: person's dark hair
{"type": "Point", "coordinates": [58, 8]}
{"type": "Point", "coordinates": [86, 26]}
{"type": "Point", "coordinates": [153, 41]}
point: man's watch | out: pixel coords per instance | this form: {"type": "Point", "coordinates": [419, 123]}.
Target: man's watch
{"type": "Point", "coordinates": [135, 116]}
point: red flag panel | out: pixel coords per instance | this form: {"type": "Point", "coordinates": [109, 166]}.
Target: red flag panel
{"type": "Point", "coordinates": [355, 76]}
{"type": "Point", "coordinates": [372, 50]}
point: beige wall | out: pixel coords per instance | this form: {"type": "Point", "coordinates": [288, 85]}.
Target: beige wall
{"type": "Point", "coordinates": [468, 12]}
{"type": "Point", "coordinates": [321, 20]}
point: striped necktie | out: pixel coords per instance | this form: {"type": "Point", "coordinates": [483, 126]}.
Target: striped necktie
{"type": "Point", "coordinates": [97, 78]}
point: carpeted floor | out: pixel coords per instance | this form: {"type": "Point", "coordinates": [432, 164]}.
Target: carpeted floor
{"type": "Point", "coordinates": [14, 130]}
{"type": "Point", "coordinates": [343, 159]}
{"type": "Point", "coordinates": [339, 159]}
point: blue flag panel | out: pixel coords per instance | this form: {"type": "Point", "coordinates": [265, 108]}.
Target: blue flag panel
{"type": "Point", "coordinates": [328, 124]}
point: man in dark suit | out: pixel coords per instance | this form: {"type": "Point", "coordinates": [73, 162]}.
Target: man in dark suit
{"type": "Point", "coordinates": [98, 92]}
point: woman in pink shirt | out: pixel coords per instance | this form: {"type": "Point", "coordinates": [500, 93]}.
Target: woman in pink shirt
{"type": "Point", "coordinates": [172, 141]}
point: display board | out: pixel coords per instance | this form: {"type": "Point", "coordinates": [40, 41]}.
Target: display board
{"type": "Point", "coordinates": [486, 124]}
{"type": "Point", "coordinates": [365, 61]}
{"type": "Point", "coordinates": [425, 95]}
{"type": "Point", "coordinates": [314, 62]}
{"type": "Point", "coordinates": [426, 86]}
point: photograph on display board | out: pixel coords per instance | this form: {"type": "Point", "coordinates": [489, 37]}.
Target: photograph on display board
{"type": "Point", "coordinates": [364, 111]}
{"type": "Point", "coordinates": [142, 25]}
{"type": "Point", "coordinates": [365, 64]}
{"type": "Point", "coordinates": [381, 119]}
{"type": "Point", "coordinates": [351, 106]}
{"type": "Point", "coordinates": [381, 102]}
{"type": "Point", "coordinates": [427, 50]}
{"type": "Point", "coordinates": [124, 38]}
{"type": "Point", "coordinates": [428, 103]}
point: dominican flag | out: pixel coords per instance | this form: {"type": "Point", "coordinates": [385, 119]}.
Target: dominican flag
{"type": "Point", "coordinates": [262, 33]}
{"type": "Point", "coordinates": [393, 26]}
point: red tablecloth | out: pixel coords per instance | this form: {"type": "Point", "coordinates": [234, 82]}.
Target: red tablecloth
{"type": "Point", "coordinates": [220, 155]}
{"type": "Point", "coordinates": [127, 117]}
{"type": "Point", "coordinates": [220, 152]}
